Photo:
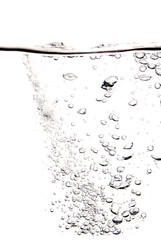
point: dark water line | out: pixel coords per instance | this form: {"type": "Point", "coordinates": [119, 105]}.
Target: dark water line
{"type": "Point", "coordinates": [75, 52]}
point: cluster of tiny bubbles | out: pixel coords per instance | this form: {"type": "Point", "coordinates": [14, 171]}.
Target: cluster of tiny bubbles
{"type": "Point", "coordinates": [100, 189]}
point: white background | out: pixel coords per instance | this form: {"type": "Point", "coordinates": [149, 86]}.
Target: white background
{"type": "Point", "coordinates": [85, 22]}
{"type": "Point", "coordinates": [23, 180]}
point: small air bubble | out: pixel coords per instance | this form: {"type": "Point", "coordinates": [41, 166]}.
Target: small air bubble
{"type": "Point", "coordinates": [116, 137]}
{"type": "Point", "coordinates": [69, 76]}
{"type": "Point", "coordinates": [112, 153]}
{"type": "Point", "coordinates": [117, 231]}
{"type": "Point", "coordinates": [56, 58]}
{"type": "Point", "coordinates": [143, 215]}
{"type": "Point", "coordinates": [144, 77]}
{"type": "Point", "coordinates": [157, 85]}
{"type": "Point", "coordinates": [94, 67]}
{"type": "Point", "coordinates": [150, 148]}
{"type": "Point", "coordinates": [151, 65]}
{"type": "Point", "coordinates": [109, 200]}
{"type": "Point", "coordinates": [100, 135]}
{"type": "Point", "coordinates": [143, 61]}
{"type": "Point", "coordinates": [128, 146]}
{"type": "Point", "coordinates": [117, 219]}
{"type": "Point", "coordinates": [115, 208]}
{"type": "Point", "coordinates": [138, 182]}
{"type": "Point", "coordinates": [68, 184]}
{"type": "Point", "coordinates": [94, 150]}
{"type": "Point", "coordinates": [82, 150]}
{"type": "Point", "coordinates": [134, 211]}
{"type": "Point", "coordinates": [159, 54]}
{"type": "Point", "coordinates": [123, 137]}
{"type": "Point", "coordinates": [158, 70]}
{"type": "Point", "coordinates": [118, 56]}
{"type": "Point", "coordinates": [103, 122]}
{"type": "Point", "coordinates": [82, 111]}
{"type": "Point", "coordinates": [143, 68]}
{"type": "Point", "coordinates": [125, 214]}
{"type": "Point", "coordinates": [120, 169]}
{"type": "Point", "coordinates": [107, 95]}
{"type": "Point", "coordinates": [109, 82]}
{"type": "Point", "coordinates": [113, 117]}
{"type": "Point", "coordinates": [139, 55]}
{"type": "Point", "coordinates": [105, 144]}
{"type": "Point", "coordinates": [127, 157]}
{"type": "Point", "coordinates": [51, 210]}
{"type": "Point", "coordinates": [153, 56]}
{"type": "Point", "coordinates": [70, 105]}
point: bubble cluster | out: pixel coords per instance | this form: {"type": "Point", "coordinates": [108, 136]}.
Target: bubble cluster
{"type": "Point", "coordinates": [95, 157]}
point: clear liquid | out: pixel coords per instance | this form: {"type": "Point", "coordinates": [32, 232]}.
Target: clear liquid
{"type": "Point", "coordinates": [101, 118]}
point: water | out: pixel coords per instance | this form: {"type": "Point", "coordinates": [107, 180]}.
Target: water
{"type": "Point", "coordinates": [100, 115]}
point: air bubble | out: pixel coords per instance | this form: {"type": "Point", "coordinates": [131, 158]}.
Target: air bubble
{"type": "Point", "coordinates": [143, 215]}
{"type": "Point", "coordinates": [117, 231]}
{"type": "Point", "coordinates": [127, 157]}
{"type": "Point", "coordinates": [151, 65]}
{"type": "Point", "coordinates": [143, 68]}
{"type": "Point", "coordinates": [120, 169]}
{"type": "Point", "coordinates": [128, 146]}
{"type": "Point", "coordinates": [123, 185]}
{"type": "Point", "coordinates": [123, 137]}
{"type": "Point", "coordinates": [101, 135]}
{"type": "Point", "coordinates": [94, 67]}
{"type": "Point", "coordinates": [103, 122]}
{"type": "Point", "coordinates": [115, 208]}
{"type": "Point", "coordinates": [156, 157]}
{"type": "Point", "coordinates": [105, 144]}
{"type": "Point", "coordinates": [144, 77]}
{"type": "Point", "coordinates": [132, 203]}
{"type": "Point", "coordinates": [107, 95]}
{"type": "Point", "coordinates": [104, 163]}
{"type": "Point", "coordinates": [129, 177]}
{"type": "Point", "coordinates": [133, 102]}
{"type": "Point", "coordinates": [153, 56]}
{"type": "Point", "coordinates": [125, 214]}
{"type": "Point", "coordinates": [51, 210]}
{"type": "Point", "coordinates": [70, 105]}
{"type": "Point", "coordinates": [82, 150]}
{"type": "Point", "coordinates": [150, 148]}
{"type": "Point", "coordinates": [118, 177]}
{"type": "Point", "coordinates": [138, 182]}
{"type": "Point", "coordinates": [139, 55]}
{"type": "Point", "coordinates": [118, 56]}
{"type": "Point", "coordinates": [94, 150]}
{"type": "Point", "coordinates": [117, 219]}
{"type": "Point", "coordinates": [109, 200]}
{"type": "Point", "coordinates": [149, 171]}
{"type": "Point", "coordinates": [82, 111]}
{"type": "Point", "coordinates": [134, 211]}
{"type": "Point", "coordinates": [68, 184]}
{"type": "Point", "coordinates": [158, 70]}
{"type": "Point", "coordinates": [143, 61]}
{"type": "Point", "coordinates": [109, 82]}
{"type": "Point", "coordinates": [138, 193]}
{"type": "Point", "coordinates": [157, 85]}
{"type": "Point", "coordinates": [116, 137]}
{"type": "Point", "coordinates": [69, 76]}
{"type": "Point", "coordinates": [159, 54]}
{"type": "Point", "coordinates": [113, 117]}
{"type": "Point", "coordinates": [112, 153]}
